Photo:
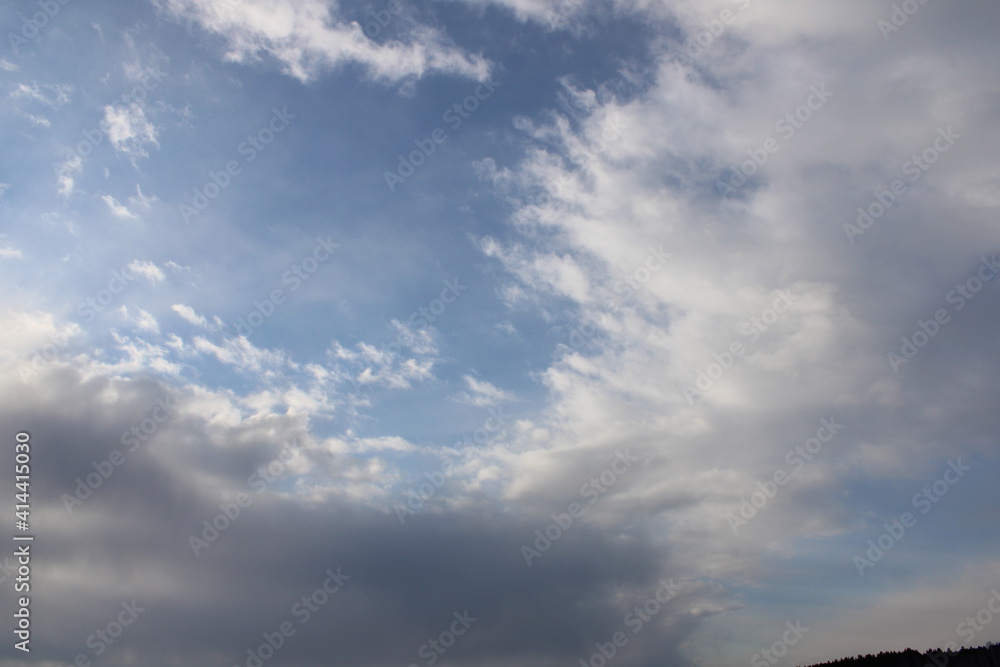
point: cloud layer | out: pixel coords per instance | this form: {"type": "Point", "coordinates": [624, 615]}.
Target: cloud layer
{"type": "Point", "coordinates": [687, 341]}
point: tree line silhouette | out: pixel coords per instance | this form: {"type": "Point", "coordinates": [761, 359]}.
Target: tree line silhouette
{"type": "Point", "coordinates": [983, 656]}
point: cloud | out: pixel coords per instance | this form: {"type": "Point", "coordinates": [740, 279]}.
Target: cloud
{"type": "Point", "coordinates": [309, 37]}
{"type": "Point", "coordinates": [553, 14]}
{"type": "Point", "coordinates": [651, 276]}
{"type": "Point", "coordinates": [117, 209]}
{"type": "Point", "coordinates": [128, 129]}
{"type": "Point", "coordinates": [147, 270]}
{"type": "Point", "coordinates": [7, 252]}
{"type": "Point", "coordinates": [139, 202]}
{"type": "Point", "coordinates": [39, 121]}
{"type": "Point", "coordinates": [188, 314]}
{"type": "Point", "coordinates": [507, 328]}
{"type": "Point", "coordinates": [66, 171]}
{"type": "Point", "coordinates": [135, 355]}
{"type": "Point", "coordinates": [142, 320]}
{"type": "Point", "coordinates": [388, 366]}
{"type": "Point", "coordinates": [48, 96]}
{"type": "Point", "coordinates": [204, 452]}
{"type": "Point", "coordinates": [52, 96]}
{"type": "Point", "coordinates": [481, 393]}
{"type": "Point", "coordinates": [244, 356]}
{"type": "Point", "coordinates": [699, 337]}
{"type": "Point", "coordinates": [25, 332]}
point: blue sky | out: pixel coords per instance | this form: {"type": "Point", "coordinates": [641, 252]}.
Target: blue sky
{"type": "Point", "coordinates": [447, 365]}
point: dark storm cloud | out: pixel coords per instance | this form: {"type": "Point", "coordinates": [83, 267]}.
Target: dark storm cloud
{"type": "Point", "coordinates": [130, 541]}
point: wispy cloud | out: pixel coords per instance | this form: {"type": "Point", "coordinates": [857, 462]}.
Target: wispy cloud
{"type": "Point", "coordinates": [142, 320]}
{"type": "Point", "coordinates": [309, 37]}
{"type": "Point", "coordinates": [117, 209]}
{"type": "Point", "coordinates": [188, 314]}
{"type": "Point", "coordinates": [7, 252]}
{"type": "Point", "coordinates": [481, 393]}
{"type": "Point", "coordinates": [128, 129]}
{"type": "Point", "coordinates": [147, 270]}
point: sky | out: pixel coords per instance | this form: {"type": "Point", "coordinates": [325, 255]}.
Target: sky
{"type": "Point", "coordinates": [489, 332]}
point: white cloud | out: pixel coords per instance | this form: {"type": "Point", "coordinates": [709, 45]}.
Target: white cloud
{"type": "Point", "coordinates": [649, 332]}
{"type": "Point", "coordinates": [481, 393]}
{"type": "Point", "coordinates": [7, 252]}
{"type": "Point", "coordinates": [117, 209]}
{"type": "Point", "coordinates": [142, 320]}
{"type": "Point", "coordinates": [553, 14]}
{"type": "Point", "coordinates": [177, 268]}
{"type": "Point", "coordinates": [391, 366]}
{"type": "Point", "coordinates": [128, 129]}
{"type": "Point", "coordinates": [507, 328]}
{"type": "Point", "coordinates": [140, 200]}
{"type": "Point", "coordinates": [146, 322]}
{"type": "Point", "coordinates": [24, 332]}
{"type": "Point", "coordinates": [341, 447]}
{"type": "Point", "coordinates": [308, 37]}
{"type": "Point", "coordinates": [245, 357]}
{"type": "Point", "coordinates": [66, 172]}
{"type": "Point", "coordinates": [634, 328]}
{"type": "Point", "coordinates": [49, 95]}
{"type": "Point", "coordinates": [140, 356]}
{"type": "Point", "coordinates": [147, 270]}
{"type": "Point", "coordinates": [188, 314]}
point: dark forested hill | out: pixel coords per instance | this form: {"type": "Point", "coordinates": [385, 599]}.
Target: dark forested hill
{"type": "Point", "coordinates": [985, 656]}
